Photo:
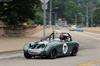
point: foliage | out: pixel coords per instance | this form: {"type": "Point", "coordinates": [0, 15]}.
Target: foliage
{"type": "Point", "coordinates": [17, 12]}
{"type": "Point", "coordinates": [67, 9]}
{"type": "Point", "coordinates": [39, 17]}
{"type": "Point", "coordinates": [70, 8]}
{"type": "Point", "coordinates": [97, 18]}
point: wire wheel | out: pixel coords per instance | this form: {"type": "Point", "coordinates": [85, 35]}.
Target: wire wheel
{"type": "Point", "coordinates": [74, 51]}
{"type": "Point", "coordinates": [53, 54]}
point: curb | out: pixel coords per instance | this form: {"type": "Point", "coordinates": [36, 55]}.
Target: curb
{"type": "Point", "coordinates": [3, 52]}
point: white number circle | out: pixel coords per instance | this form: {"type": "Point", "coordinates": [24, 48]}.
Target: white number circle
{"type": "Point", "coordinates": [65, 48]}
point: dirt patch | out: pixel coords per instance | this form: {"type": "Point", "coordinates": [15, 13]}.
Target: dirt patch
{"type": "Point", "coordinates": [32, 31]}
{"type": "Point", "coordinates": [19, 32]}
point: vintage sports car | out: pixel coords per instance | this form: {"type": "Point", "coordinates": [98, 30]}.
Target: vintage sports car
{"type": "Point", "coordinates": [52, 46]}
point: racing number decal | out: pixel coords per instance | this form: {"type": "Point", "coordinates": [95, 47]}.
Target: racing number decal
{"type": "Point", "coordinates": [65, 48]}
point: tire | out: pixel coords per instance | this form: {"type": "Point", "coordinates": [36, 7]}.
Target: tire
{"type": "Point", "coordinates": [74, 51]}
{"type": "Point", "coordinates": [27, 55]}
{"type": "Point", "coordinates": [33, 57]}
{"type": "Point", "coordinates": [53, 54]}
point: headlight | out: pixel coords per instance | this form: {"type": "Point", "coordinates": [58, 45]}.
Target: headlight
{"type": "Point", "coordinates": [28, 45]}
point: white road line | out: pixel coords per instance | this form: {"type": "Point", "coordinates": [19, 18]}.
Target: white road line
{"type": "Point", "coordinates": [10, 56]}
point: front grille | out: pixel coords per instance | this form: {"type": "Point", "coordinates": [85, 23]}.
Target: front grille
{"type": "Point", "coordinates": [33, 53]}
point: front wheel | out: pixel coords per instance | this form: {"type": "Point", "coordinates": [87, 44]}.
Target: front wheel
{"type": "Point", "coordinates": [53, 54]}
{"type": "Point", "coordinates": [74, 51]}
{"type": "Point", "coordinates": [27, 55]}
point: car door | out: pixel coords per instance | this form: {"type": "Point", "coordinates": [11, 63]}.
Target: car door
{"type": "Point", "coordinates": [62, 48]}
{"type": "Point", "coordinates": [59, 49]}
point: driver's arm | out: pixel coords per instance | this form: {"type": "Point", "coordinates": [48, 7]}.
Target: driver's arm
{"type": "Point", "coordinates": [69, 36]}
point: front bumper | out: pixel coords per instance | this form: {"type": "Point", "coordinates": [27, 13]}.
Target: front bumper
{"type": "Point", "coordinates": [43, 53]}
{"type": "Point", "coordinates": [38, 54]}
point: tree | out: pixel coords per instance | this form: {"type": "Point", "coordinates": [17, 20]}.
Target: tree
{"type": "Point", "coordinates": [96, 18]}
{"type": "Point", "coordinates": [90, 5]}
{"type": "Point", "coordinates": [71, 8]}
{"type": "Point", "coordinates": [38, 17]}
{"type": "Point", "coordinates": [17, 12]}
{"type": "Point", "coordinates": [67, 9]}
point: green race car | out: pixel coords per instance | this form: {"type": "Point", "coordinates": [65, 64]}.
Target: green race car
{"type": "Point", "coordinates": [52, 47]}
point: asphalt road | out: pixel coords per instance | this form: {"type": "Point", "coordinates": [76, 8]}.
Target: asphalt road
{"type": "Point", "coordinates": [88, 55]}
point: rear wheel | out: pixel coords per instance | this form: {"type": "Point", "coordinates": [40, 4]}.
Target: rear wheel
{"type": "Point", "coordinates": [27, 55]}
{"type": "Point", "coordinates": [74, 51]}
{"type": "Point", "coordinates": [53, 54]}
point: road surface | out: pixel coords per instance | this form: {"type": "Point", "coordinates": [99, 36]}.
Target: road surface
{"type": "Point", "coordinates": [88, 55]}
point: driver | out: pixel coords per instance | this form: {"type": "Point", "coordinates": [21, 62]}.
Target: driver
{"type": "Point", "coordinates": [63, 37]}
